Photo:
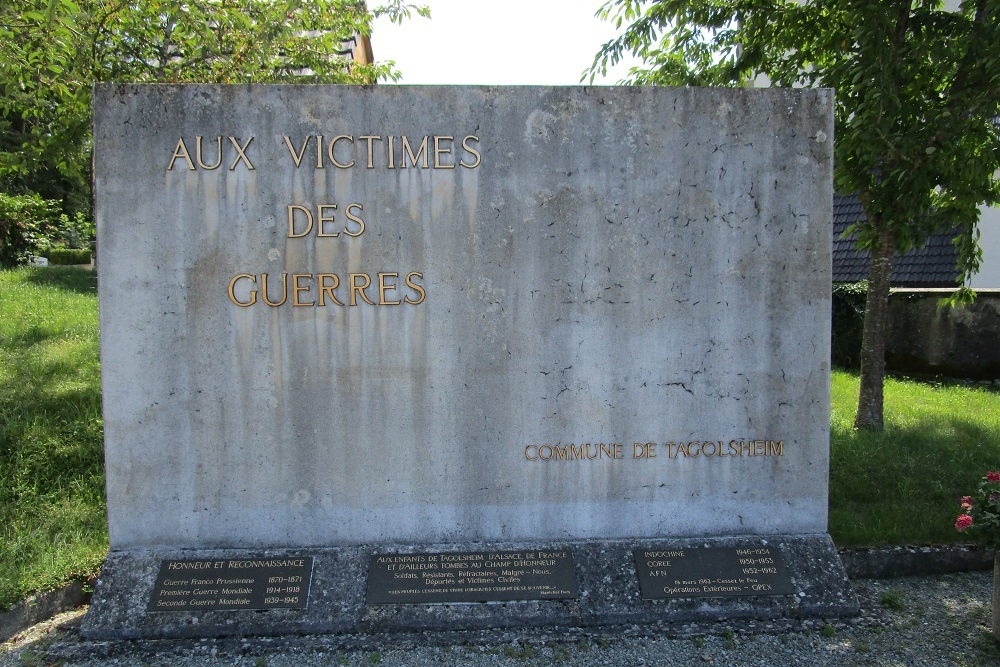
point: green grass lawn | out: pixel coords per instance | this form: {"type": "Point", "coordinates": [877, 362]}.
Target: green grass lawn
{"type": "Point", "coordinates": [898, 487]}
{"type": "Point", "coordinates": [903, 486]}
{"type": "Point", "coordinates": [52, 520]}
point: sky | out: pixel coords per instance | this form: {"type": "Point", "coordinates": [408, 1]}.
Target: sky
{"type": "Point", "coordinates": [497, 42]}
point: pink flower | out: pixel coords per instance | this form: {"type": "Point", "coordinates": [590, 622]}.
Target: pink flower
{"type": "Point", "coordinates": [963, 522]}
{"type": "Point", "coordinates": [993, 476]}
{"type": "Point", "coordinates": [967, 502]}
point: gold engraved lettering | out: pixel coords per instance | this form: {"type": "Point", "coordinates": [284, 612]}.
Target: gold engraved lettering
{"type": "Point", "coordinates": [296, 288]}
{"type": "Point", "coordinates": [326, 284]}
{"type": "Point", "coordinates": [327, 290]}
{"type": "Point", "coordinates": [411, 153]}
{"type": "Point", "coordinates": [354, 218]}
{"type": "Point", "coordinates": [360, 289]}
{"type": "Point", "coordinates": [297, 159]}
{"type": "Point", "coordinates": [198, 153]}
{"type": "Point", "coordinates": [574, 452]}
{"type": "Point", "coordinates": [440, 150]}
{"type": "Point", "coordinates": [292, 208]}
{"type": "Point", "coordinates": [416, 287]}
{"type": "Point", "coordinates": [299, 226]}
{"type": "Point", "coordinates": [371, 153]}
{"type": "Point", "coordinates": [473, 151]}
{"type": "Point", "coordinates": [284, 290]}
{"type": "Point", "coordinates": [720, 448]}
{"type": "Point", "coordinates": [241, 155]}
{"type": "Point", "coordinates": [181, 152]}
{"type": "Point", "coordinates": [232, 290]}
{"type": "Point", "coordinates": [407, 150]}
{"type": "Point", "coordinates": [321, 218]}
{"type": "Point", "coordinates": [383, 288]}
{"type": "Point", "coordinates": [644, 450]}
{"type": "Point", "coordinates": [649, 450]}
{"type": "Point", "coordinates": [330, 149]}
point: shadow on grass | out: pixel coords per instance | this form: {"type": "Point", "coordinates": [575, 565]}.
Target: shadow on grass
{"type": "Point", "coordinates": [930, 381]}
{"type": "Point", "coordinates": [28, 336]}
{"type": "Point", "coordinates": [904, 485]}
{"type": "Point", "coordinates": [65, 408]}
{"type": "Point", "coordinates": [51, 435]}
{"type": "Point", "coordinates": [69, 278]}
{"type": "Point", "coordinates": [940, 382]}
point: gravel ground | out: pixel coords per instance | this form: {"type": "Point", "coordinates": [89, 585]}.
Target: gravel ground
{"type": "Point", "coordinates": [932, 621]}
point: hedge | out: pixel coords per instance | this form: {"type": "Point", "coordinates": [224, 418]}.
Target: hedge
{"type": "Point", "coordinates": [66, 256]}
{"type": "Point", "coordinates": [848, 321]}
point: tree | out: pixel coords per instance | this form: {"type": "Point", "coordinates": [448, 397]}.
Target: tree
{"type": "Point", "coordinates": [52, 51]}
{"type": "Point", "coordinates": [917, 90]}
{"type": "Point", "coordinates": [43, 122]}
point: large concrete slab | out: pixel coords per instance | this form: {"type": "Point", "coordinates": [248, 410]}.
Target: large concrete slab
{"type": "Point", "coordinates": [609, 593]}
{"type": "Point", "coordinates": [585, 267]}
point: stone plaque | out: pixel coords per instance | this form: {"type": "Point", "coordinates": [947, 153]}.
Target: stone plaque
{"type": "Point", "coordinates": [471, 577]}
{"type": "Point", "coordinates": [342, 320]}
{"type": "Point", "coordinates": [233, 583]}
{"type": "Point", "coordinates": [339, 315]}
{"type": "Point", "coordinates": [666, 572]}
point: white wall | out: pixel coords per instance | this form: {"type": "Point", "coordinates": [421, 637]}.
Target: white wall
{"type": "Point", "coordinates": [989, 226]}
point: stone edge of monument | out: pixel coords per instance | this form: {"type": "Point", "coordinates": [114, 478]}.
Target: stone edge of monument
{"type": "Point", "coordinates": [608, 593]}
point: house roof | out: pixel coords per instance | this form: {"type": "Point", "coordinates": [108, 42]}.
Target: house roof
{"type": "Point", "coordinates": [930, 266]}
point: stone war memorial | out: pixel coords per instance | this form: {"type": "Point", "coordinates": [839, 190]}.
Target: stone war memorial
{"type": "Point", "coordinates": [386, 359]}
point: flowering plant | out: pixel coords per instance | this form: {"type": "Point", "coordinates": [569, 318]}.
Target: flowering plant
{"type": "Point", "coordinates": [981, 513]}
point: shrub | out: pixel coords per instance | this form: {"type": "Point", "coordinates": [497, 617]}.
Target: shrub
{"type": "Point", "coordinates": [848, 321]}
{"type": "Point", "coordinates": [71, 232]}
{"type": "Point", "coordinates": [67, 256]}
{"type": "Point", "coordinates": [26, 221]}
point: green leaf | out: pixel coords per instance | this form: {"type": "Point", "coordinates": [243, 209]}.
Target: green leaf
{"type": "Point", "coordinates": [50, 15]}
{"type": "Point", "coordinates": [909, 86]}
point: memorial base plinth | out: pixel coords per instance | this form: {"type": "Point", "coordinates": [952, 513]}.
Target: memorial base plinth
{"type": "Point", "coordinates": [608, 591]}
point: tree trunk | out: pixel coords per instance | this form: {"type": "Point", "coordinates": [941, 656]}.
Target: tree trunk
{"type": "Point", "coordinates": [870, 398]}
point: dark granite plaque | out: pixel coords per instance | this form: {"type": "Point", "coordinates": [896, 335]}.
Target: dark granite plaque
{"type": "Point", "coordinates": [711, 572]}
{"type": "Point", "coordinates": [226, 583]}
{"type": "Point", "coordinates": [471, 577]}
